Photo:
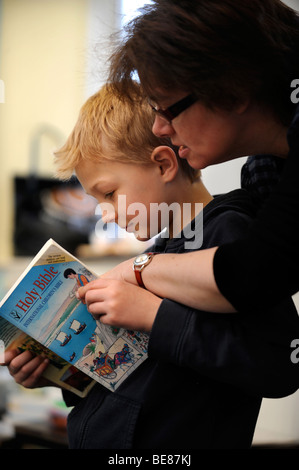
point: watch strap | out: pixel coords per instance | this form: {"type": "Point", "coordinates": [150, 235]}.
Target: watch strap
{"type": "Point", "coordinates": [139, 278]}
{"type": "Point", "coordinates": [138, 275]}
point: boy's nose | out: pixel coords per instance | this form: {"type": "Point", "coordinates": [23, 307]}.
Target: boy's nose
{"type": "Point", "coordinates": [108, 214]}
{"type": "Point", "coordinates": [114, 217]}
{"type": "Point", "coordinates": [162, 127]}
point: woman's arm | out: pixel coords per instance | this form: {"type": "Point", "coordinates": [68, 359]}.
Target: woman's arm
{"type": "Point", "coordinates": [252, 273]}
{"type": "Point", "coordinates": [186, 278]}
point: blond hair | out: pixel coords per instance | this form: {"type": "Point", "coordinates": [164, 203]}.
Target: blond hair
{"type": "Point", "coordinates": [124, 122]}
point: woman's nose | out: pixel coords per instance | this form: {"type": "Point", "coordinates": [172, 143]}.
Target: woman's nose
{"type": "Point", "coordinates": [162, 127]}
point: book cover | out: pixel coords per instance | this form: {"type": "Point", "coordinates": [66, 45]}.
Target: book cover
{"type": "Point", "coordinates": [43, 305]}
{"type": "Point", "coordinates": [58, 371]}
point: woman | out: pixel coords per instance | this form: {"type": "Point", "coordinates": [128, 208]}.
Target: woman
{"type": "Point", "coordinates": [220, 75]}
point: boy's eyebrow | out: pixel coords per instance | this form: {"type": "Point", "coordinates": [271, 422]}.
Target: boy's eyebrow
{"type": "Point", "coordinates": [99, 181]}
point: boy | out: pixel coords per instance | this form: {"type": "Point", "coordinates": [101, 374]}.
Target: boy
{"type": "Point", "coordinates": [203, 382]}
{"type": "Point", "coordinates": [81, 280]}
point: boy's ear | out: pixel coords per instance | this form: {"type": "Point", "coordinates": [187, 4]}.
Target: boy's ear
{"type": "Point", "coordinates": [165, 158]}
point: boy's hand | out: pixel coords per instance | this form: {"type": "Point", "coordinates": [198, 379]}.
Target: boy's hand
{"type": "Point", "coordinates": [121, 304]}
{"type": "Point", "coordinates": [26, 369]}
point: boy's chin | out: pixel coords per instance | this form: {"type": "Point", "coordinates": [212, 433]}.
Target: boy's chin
{"type": "Point", "coordinates": [141, 238]}
{"type": "Point", "coordinates": [144, 235]}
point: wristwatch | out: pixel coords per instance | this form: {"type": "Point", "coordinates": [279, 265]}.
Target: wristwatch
{"type": "Point", "coordinates": [139, 264]}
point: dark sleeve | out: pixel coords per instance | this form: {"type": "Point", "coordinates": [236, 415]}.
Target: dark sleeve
{"type": "Point", "coordinates": [261, 269]}
{"type": "Point", "coordinates": [247, 350]}
{"type": "Point", "coordinates": [243, 352]}
{"type": "Point", "coordinates": [70, 398]}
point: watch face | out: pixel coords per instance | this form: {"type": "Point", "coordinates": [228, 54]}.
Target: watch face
{"type": "Point", "coordinates": [141, 259]}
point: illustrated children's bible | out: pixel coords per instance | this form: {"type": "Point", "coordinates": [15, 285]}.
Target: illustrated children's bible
{"type": "Point", "coordinates": [42, 313]}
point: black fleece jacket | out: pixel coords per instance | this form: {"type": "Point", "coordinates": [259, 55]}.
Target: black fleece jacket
{"type": "Point", "coordinates": [202, 384]}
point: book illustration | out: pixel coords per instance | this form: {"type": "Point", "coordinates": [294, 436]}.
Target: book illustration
{"type": "Point", "coordinates": [77, 327]}
{"type": "Point", "coordinates": [43, 305]}
{"type": "Point", "coordinates": [59, 371]}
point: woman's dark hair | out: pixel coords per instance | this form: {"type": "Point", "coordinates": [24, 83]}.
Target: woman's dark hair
{"type": "Point", "coordinates": [223, 51]}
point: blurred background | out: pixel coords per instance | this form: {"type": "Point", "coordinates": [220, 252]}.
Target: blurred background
{"type": "Point", "coordinates": [52, 57]}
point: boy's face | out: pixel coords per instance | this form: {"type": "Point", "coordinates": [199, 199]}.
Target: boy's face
{"type": "Point", "coordinates": [125, 192]}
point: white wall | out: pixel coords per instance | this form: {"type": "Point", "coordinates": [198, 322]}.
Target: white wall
{"type": "Point", "coordinates": [45, 50]}
{"type": "Point", "coordinates": [292, 3]}
{"type": "Point", "coordinates": [42, 66]}
{"type": "Point", "coordinates": [103, 18]}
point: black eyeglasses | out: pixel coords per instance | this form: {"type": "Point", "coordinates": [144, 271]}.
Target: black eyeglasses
{"type": "Point", "coordinates": [175, 109]}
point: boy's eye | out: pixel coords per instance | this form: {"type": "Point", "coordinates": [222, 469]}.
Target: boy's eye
{"type": "Point", "coordinates": [109, 195]}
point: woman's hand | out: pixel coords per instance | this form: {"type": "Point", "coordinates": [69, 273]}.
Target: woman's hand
{"type": "Point", "coordinates": [119, 303]}
{"type": "Point", "coordinates": [122, 272]}
{"type": "Point", "coordinates": [26, 368]}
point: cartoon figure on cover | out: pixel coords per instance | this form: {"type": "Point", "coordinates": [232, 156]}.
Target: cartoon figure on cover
{"type": "Point", "coordinates": [80, 278]}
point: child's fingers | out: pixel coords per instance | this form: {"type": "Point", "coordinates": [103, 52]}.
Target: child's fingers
{"type": "Point", "coordinates": [26, 369]}
{"type": "Point", "coordinates": [32, 376]}
{"type": "Point", "coordinates": [96, 284]}
{"type": "Point", "coordinates": [9, 356]}
{"type": "Point", "coordinates": [19, 361]}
